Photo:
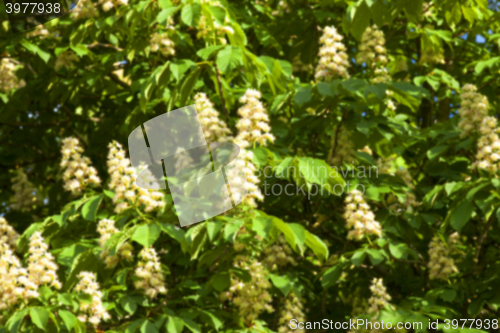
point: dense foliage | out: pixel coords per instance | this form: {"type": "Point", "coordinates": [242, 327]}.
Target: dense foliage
{"type": "Point", "coordinates": [370, 141]}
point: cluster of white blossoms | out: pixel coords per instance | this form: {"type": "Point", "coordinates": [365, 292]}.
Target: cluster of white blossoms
{"type": "Point", "coordinates": [333, 62]}
{"type": "Point", "coordinates": [488, 146]}
{"type": "Point", "coordinates": [162, 43]}
{"type": "Point", "coordinates": [66, 59]}
{"type": "Point", "coordinates": [7, 234]}
{"type": "Point", "coordinates": [78, 172]}
{"type": "Point", "coordinates": [372, 49]}
{"type": "Point", "coordinates": [42, 269]}
{"type": "Point", "coordinates": [24, 192]}
{"type": "Point", "coordinates": [252, 297]}
{"type": "Point", "coordinates": [149, 273]}
{"type": "Point", "coordinates": [8, 78]}
{"type": "Point", "coordinates": [344, 152]}
{"type": "Point", "coordinates": [94, 311]}
{"type": "Point", "coordinates": [213, 127]}
{"type": "Point", "coordinates": [106, 228]}
{"type": "Point", "coordinates": [14, 282]}
{"type": "Point", "coordinates": [39, 30]}
{"type": "Point", "coordinates": [292, 309]}
{"type": "Point", "coordinates": [108, 4]}
{"type": "Point", "coordinates": [278, 254]}
{"type": "Point", "coordinates": [122, 181]}
{"type": "Point", "coordinates": [360, 218]}
{"type": "Point", "coordinates": [210, 30]}
{"type": "Point", "coordinates": [380, 298]}
{"type": "Point", "coordinates": [253, 127]}
{"type": "Point", "coordinates": [473, 109]}
{"type": "Point", "coordinates": [84, 9]}
{"type": "Point", "coordinates": [441, 265]}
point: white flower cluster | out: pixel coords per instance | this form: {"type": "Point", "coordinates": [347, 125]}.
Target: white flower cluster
{"type": "Point", "coordinates": [278, 254]}
{"type": "Point", "coordinates": [93, 312]}
{"type": "Point", "coordinates": [84, 9]}
{"type": "Point", "coordinates": [213, 31]}
{"type": "Point", "coordinates": [108, 4]}
{"type": "Point", "coordinates": [360, 219]}
{"type": "Point", "coordinates": [344, 151]}
{"type": "Point", "coordinates": [441, 265]}
{"type": "Point", "coordinates": [213, 127]}
{"type": "Point", "coordinates": [123, 183]}
{"type": "Point", "coordinates": [14, 281]}
{"type": "Point", "coordinates": [106, 228]}
{"type": "Point", "coordinates": [78, 172]}
{"type": "Point", "coordinates": [473, 109]}
{"type": "Point", "coordinates": [253, 297]}
{"type": "Point", "coordinates": [380, 298]}
{"type": "Point", "coordinates": [161, 42]}
{"type": "Point", "coordinates": [39, 30]}
{"type": "Point", "coordinates": [7, 234]}
{"type": "Point", "coordinates": [292, 309]}
{"type": "Point", "coordinates": [253, 126]}
{"type": "Point", "coordinates": [333, 61]}
{"type": "Point", "coordinates": [372, 49]}
{"type": "Point", "coordinates": [8, 79]}
{"type": "Point", "coordinates": [149, 273]}
{"type": "Point", "coordinates": [42, 269]}
{"type": "Point", "coordinates": [488, 146]}
{"type": "Point", "coordinates": [66, 59]}
{"type": "Point", "coordinates": [24, 197]}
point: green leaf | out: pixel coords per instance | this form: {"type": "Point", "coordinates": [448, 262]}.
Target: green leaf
{"type": "Point", "coordinates": [221, 281]}
{"type": "Point", "coordinates": [218, 13]}
{"type": "Point", "coordinates": [173, 231]}
{"type": "Point", "coordinates": [163, 16]}
{"type": "Point", "coordinates": [68, 318]}
{"type": "Point", "coordinates": [146, 234]}
{"type": "Point", "coordinates": [436, 151]}
{"type": "Point", "coordinates": [461, 214]}
{"type": "Point", "coordinates": [331, 276]}
{"type": "Point", "coordinates": [413, 9]}
{"type": "Point", "coordinates": [399, 250]}
{"type": "Point", "coordinates": [188, 85]}
{"type": "Point", "coordinates": [178, 68]}
{"type": "Point", "coordinates": [148, 327]}
{"type": "Point", "coordinates": [453, 15]}
{"type": "Point", "coordinates": [358, 257]}
{"type": "Point", "coordinates": [90, 208]}
{"type": "Point", "coordinates": [282, 283]}
{"type": "Point", "coordinates": [213, 229]}
{"type": "Point", "coordinates": [191, 14]}
{"type": "Point", "coordinates": [229, 58]}
{"type": "Point", "coordinates": [361, 20]}
{"type": "Point", "coordinates": [85, 261]}
{"type": "Point", "coordinates": [191, 325]}
{"type": "Point", "coordinates": [231, 229]}
{"type": "Point", "coordinates": [174, 324]}
{"type": "Point", "coordinates": [36, 50]}
{"type": "Point", "coordinates": [14, 322]}
{"type": "Point", "coordinates": [208, 51]}
{"type": "Point", "coordinates": [317, 246]}
{"type": "Point", "coordinates": [376, 256]}
{"type": "Point", "coordinates": [129, 304]}
{"type": "Point", "coordinates": [39, 317]}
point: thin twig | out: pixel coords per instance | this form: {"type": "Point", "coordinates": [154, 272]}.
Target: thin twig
{"type": "Point", "coordinates": [333, 148]}
{"type": "Point", "coordinates": [480, 243]}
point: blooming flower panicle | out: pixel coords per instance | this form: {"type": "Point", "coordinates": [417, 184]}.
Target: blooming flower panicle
{"type": "Point", "coordinates": [441, 265]}
{"type": "Point", "coordinates": [78, 172]}
{"type": "Point", "coordinates": [211, 30]}
{"type": "Point", "coordinates": [161, 42]}
{"type": "Point", "coordinates": [148, 270]}
{"type": "Point", "coordinates": [94, 311]}
{"type": "Point", "coordinates": [380, 298]}
{"type": "Point", "coordinates": [293, 308]}
{"type": "Point", "coordinates": [252, 297]}
{"type": "Point", "coordinates": [277, 255]}
{"type": "Point", "coordinates": [360, 218]}
{"type": "Point", "coordinates": [42, 269]}
{"type": "Point", "coordinates": [488, 146]}
{"type": "Point", "coordinates": [473, 109]}
{"type": "Point", "coordinates": [84, 9]}
{"type": "Point", "coordinates": [25, 196]}
{"type": "Point", "coordinates": [106, 229]}
{"type": "Point", "coordinates": [8, 235]}
{"type": "Point", "coordinates": [214, 128]}
{"type": "Point", "coordinates": [333, 60]}
{"type": "Point", "coordinates": [123, 177]}
{"type": "Point", "coordinates": [372, 49]}
{"type": "Point", "coordinates": [8, 78]}
{"type": "Point", "coordinates": [345, 152]}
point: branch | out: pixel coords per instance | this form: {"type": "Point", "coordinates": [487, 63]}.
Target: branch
{"type": "Point", "coordinates": [480, 243]}
{"type": "Point", "coordinates": [333, 148]}
{"type": "Point", "coordinates": [221, 94]}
